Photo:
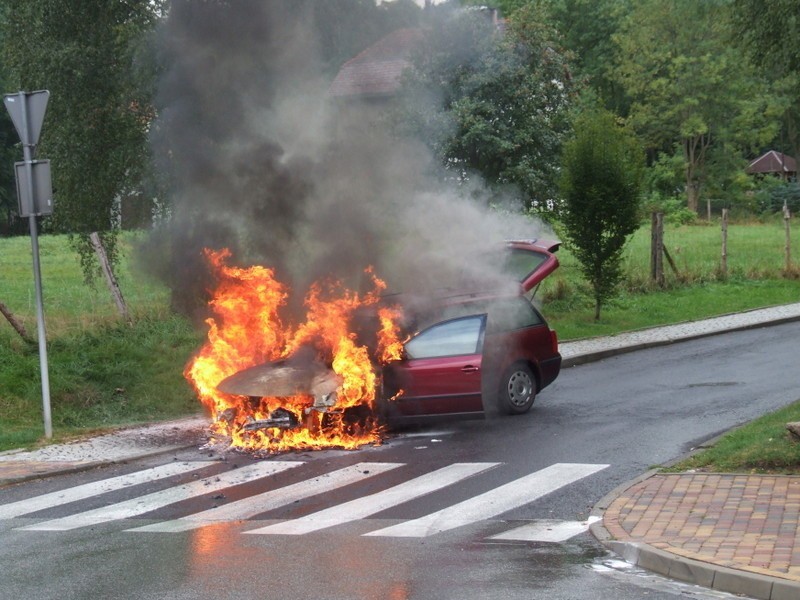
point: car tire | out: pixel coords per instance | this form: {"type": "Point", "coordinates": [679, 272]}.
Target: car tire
{"type": "Point", "coordinates": [517, 390]}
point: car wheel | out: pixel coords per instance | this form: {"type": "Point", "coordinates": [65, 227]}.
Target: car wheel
{"type": "Point", "coordinates": [517, 390]}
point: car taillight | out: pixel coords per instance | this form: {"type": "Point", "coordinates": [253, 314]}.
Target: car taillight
{"type": "Point", "coordinates": [553, 341]}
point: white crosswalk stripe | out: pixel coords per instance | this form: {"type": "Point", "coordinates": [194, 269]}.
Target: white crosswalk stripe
{"type": "Point", "coordinates": [149, 502]}
{"type": "Point", "coordinates": [375, 503]}
{"type": "Point", "coordinates": [253, 505]}
{"type": "Point", "coordinates": [88, 490]}
{"type": "Point", "coordinates": [492, 503]}
{"type": "Point", "coordinates": [546, 530]}
{"type": "Point", "coordinates": [481, 507]}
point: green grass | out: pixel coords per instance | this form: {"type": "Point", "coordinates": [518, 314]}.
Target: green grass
{"type": "Point", "coordinates": [761, 446]}
{"type": "Point", "coordinates": [105, 373]}
{"type": "Point", "coordinates": [755, 279]}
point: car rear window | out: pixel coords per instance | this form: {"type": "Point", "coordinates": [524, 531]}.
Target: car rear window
{"type": "Point", "coordinates": [451, 338]}
{"type": "Point", "coordinates": [521, 263]}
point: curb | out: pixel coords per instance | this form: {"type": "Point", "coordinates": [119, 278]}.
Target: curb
{"type": "Point", "coordinates": [601, 354]}
{"type": "Point", "coordinates": [705, 574]}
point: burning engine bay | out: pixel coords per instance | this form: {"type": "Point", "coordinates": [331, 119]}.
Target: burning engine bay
{"type": "Point", "coordinates": [272, 385]}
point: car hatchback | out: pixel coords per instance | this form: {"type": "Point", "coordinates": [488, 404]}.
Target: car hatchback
{"type": "Point", "coordinates": [478, 353]}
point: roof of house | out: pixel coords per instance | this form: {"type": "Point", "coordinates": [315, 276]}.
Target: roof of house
{"type": "Point", "coordinates": [376, 70]}
{"type": "Point", "coordinates": [773, 162]}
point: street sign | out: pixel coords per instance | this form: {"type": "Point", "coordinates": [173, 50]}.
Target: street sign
{"type": "Point", "coordinates": [39, 200]}
{"type": "Point", "coordinates": [35, 196]}
{"type": "Point", "coordinates": [27, 113]}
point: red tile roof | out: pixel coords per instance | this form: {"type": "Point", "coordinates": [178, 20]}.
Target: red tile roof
{"type": "Point", "coordinates": [376, 71]}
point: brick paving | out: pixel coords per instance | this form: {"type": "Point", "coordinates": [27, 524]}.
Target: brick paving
{"type": "Point", "coordinates": [746, 522]}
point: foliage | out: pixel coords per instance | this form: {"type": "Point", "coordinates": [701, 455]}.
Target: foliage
{"type": "Point", "coordinates": [84, 52]}
{"type": "Point", "coordinates": [601, 180]}
{"type": "Point", "coordinates": [691, 91]}
{"type": "Point", "coordinates": [491, 103]}
{"type": "Point", "coordinates": [772, 194]}
{"type": "Point", "coordinates": [770, 33]}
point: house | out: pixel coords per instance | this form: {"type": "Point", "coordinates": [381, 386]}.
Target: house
{"type": "Point", "coordinates": [374, 74]}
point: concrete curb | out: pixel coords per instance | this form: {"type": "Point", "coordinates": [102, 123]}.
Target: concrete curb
{"type": "Point", "coordinates": [593, 356]}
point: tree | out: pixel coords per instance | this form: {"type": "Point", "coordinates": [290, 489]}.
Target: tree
{"type": "Point", "coordinates": [95, 130]}
{"type": "Point", "coordinates": [690, 88]}
{"type": "Point", "coordinates": [491, 103]}
{"type": "Point", "coordinates": [770, 33]}
{"type": "Point", "coordinates": [600, 184]}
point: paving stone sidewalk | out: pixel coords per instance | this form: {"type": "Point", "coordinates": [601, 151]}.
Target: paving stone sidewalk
{"type": "Point", "coordinates": [734, 533]}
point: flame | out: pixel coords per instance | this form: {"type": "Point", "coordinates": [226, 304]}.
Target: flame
{"type": "Point", "coordinates": [247, 329]}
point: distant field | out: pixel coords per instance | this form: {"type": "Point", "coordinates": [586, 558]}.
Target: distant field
{"type": "Point", "coordinates": [756, 278]}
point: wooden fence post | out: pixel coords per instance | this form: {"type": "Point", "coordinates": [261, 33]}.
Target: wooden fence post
{"type": "Point", "coordinates": [16, 324]}
{"type": "Point", "coordinates": [657, 248]}
{"type": "Point", "coordinates": [724, 262]}
{"type": "Point", "coordinates": [111, 281]}
{"type": "Point", "coordinates": [787, 227]}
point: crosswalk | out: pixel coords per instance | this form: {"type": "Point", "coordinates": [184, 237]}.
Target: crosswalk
{"type": "Point", "coordinates": [281, 493]}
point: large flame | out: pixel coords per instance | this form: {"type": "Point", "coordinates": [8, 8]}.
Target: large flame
{"type": "Point", "coordinates": [247, 329]}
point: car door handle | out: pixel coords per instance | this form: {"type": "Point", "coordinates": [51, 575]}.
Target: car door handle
{"type": "Point", "coordinates": [470, 369]}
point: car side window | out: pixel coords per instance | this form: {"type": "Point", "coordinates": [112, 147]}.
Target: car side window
{"type": "Point", "coordinates": [511, 314]}
{"type": "Point", "coordinates": [451, 338]}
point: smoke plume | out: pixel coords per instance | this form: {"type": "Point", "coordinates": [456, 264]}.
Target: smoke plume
{"type": "Point", "coordinates": [263, 161]}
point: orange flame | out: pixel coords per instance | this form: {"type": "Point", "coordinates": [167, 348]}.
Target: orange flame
{"type": "Point", "coordinates": [247, 329]}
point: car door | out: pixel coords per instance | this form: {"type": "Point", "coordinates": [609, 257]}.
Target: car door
{"type": "Point", "coordinates": [440, 373]}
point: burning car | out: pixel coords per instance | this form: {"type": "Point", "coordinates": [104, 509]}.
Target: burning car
{"type": "Point", "coordinates": [362, 361]}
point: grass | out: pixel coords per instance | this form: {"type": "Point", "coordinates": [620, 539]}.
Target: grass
{"type": "Point", "coordinates": [761, 446]}
{"type": "Point", "coordinates": [756, 278]}
{"type": "Point", "coordinates": [105, 373]}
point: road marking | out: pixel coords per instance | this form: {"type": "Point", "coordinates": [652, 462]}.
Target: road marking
{"type": "Point", "coordinates": [546, 530]}
{"type": "Point", "coordinates": [375, 503]}
{"type": "Point", "coordinates": [494, 502]}
{"type": "Point", "coordinates": [150, 502]}
{"type": "Point", "coordinates": [81, 492]}
{"type": "Point", "coordinates": [253, 505]}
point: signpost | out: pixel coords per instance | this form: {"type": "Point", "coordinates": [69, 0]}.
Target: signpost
{"type": "Point", "coordinates": [34, 194]}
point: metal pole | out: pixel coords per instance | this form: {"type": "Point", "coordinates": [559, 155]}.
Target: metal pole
{"type": "Point", "coordinates": [37, 275]}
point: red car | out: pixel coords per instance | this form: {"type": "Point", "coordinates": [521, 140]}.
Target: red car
{"type": "Point", "coordinates": [480, 352]}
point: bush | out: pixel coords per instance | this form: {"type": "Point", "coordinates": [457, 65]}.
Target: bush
{"type": "Point", "coordinates": [772, 194]}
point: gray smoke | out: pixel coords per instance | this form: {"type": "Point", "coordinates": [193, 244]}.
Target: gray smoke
{"type": "Point", "coordinates": [264, 162]}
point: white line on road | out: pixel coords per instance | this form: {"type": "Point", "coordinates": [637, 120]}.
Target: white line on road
{"type": "Point", "coordinates": [253, 505]}
{"type": "Point", "coordinates": [150, 502]}
{"type": "Point", "coordinates": [494, 502]}
{"type": "Point", "coordinates": [546, 530]}
{"type": "Point", "coordinates": [375, 503]}
{"type": "Point", "coordinates": [87, 490]}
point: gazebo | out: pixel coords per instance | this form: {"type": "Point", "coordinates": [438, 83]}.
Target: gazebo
{"type": "Point", "coordinates": [774, 163]}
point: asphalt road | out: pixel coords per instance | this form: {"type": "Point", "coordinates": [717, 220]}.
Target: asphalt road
{"type": "Point", "coordinates": [440, 512]}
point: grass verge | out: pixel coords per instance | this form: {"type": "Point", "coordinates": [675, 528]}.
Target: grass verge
{"type": "Point", "coordinates": [761, 446]}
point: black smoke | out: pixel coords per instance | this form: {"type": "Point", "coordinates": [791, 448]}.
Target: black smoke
{"type": "Point", "coordinates": [261, 160]}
